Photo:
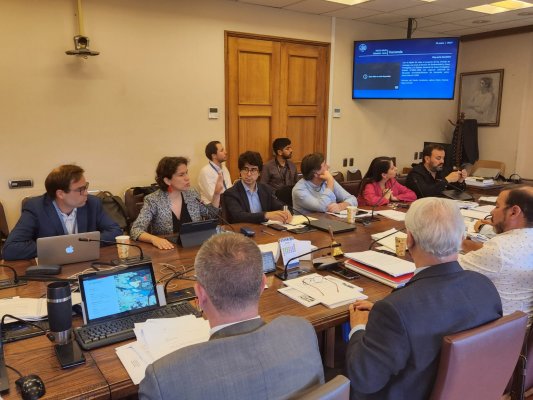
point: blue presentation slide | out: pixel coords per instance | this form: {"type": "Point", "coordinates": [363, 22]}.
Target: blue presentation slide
{"type": "Point", "coordinates": [405, 68]}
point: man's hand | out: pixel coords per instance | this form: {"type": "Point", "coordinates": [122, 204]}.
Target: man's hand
{"type": "Point", "coordinates": [281, 216]}
{"type": "Point", "coordinates": [454, 176]}
{"type": "Point", "coordinates": [162, 244]}
{"type": "Point", "coordinates": [470, 245]}
{"type": "Point", "coordinates": [477, 225]}
{"type": "Point", "coordinates": [463, 175]}
{"type": "Point", "coordinates": [359, 312]}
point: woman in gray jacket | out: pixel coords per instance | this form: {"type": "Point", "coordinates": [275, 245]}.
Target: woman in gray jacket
{"type": "Point", "coordinates": [173, 204]}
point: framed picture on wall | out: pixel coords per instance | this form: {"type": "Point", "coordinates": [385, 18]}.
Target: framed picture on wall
{"type": "Point", "coordinates": [480, 96]}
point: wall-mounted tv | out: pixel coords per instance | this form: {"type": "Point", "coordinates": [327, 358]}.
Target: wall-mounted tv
{"type": "Point", "coordinates": [422, 68]}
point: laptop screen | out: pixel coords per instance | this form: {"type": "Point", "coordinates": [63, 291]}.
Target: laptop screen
{"type": "Point", "coordinates": [113, 294]}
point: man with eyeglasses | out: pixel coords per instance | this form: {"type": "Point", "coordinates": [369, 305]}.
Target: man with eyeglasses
{"type": "Point", "coordinates": [66, 208]}
{"type": "Point", "coordinates": [394, 346]}
{"type": "Point", "coordinates": [249, 200]}
{"type": "Point", "coordinates": [318, 191]}
{"type": "Point", "coordinates": [507, 258]}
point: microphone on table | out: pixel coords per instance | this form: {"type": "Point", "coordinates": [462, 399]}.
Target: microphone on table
{"type": "Point", "coordinates": [4, 284]}
{"type": "Point", "coordinates": [217, 216]}
{"type": "Point", "coordinates": [297, 271]}
{"type": "Point", "coordinates": [415, 180]}
{"type": "Point", "coordinates": [122, 261]}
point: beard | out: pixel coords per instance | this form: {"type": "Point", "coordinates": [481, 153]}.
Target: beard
{"type": "Point", "coordinates": [286, 157]}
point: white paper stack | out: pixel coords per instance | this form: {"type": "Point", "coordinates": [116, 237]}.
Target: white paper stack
{"type": "Point", "coordinates": [392, 214]}
{"type": "Point", "coordinates": [393, 266]}
{"type": "Point", "coordinates": [328, 290]}
{"type": "Point", "coordinates": [29, 309]}
{"type": "Point", "coordinates": [159, 337]}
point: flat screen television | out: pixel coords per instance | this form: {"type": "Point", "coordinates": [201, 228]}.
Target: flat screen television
{"type": "Point", "coordinates": [422, 68]}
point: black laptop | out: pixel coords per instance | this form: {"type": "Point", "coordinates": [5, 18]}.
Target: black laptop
{"type": "Point", "coordinates": [455, 194]}
{"type": "Point", "coordinates": [195, 233]}
{"type": "Point", "coordinates": [4, 382]}
{"type": "Point", "coordinates": [325, 225]}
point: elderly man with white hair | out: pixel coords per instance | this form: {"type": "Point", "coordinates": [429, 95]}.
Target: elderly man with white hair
{"type": "Point", "coordinates": [395, 343]}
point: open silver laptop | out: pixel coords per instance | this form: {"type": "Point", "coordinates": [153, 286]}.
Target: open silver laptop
{"type": "Point", "coordinates": [67, 249]}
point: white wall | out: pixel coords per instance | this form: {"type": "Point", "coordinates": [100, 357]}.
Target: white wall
{"type": "Point", "coordinates": [161, 67]}
{"type": "Point", "coordinates": [512, 141]}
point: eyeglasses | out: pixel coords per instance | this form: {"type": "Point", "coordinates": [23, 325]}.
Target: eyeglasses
{"type": "Point", "coordinates": [317, 281]}
{"type": "Point", "coordinates": [81, 190]}
{"type": "Point", "coordinates": [252, 171]}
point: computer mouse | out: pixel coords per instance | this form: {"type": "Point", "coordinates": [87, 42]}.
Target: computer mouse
{"type": "Point", "coordinates": [31, 387]}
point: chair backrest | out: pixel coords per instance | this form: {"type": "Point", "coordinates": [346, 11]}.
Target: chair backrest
{"type": "Point", "coordinates": [338, 175]}
{"type": "Point", "coordinates": [336, 389]}
{"type": "Point", "coordinates": [477, 363]}
{"type": "Point", "coordinates": [529, 357]}
{"type": "Point", "coordinates": [354, 176]}
{"type": "Point", "coordinates": [285, 194]}
{"type": "Point", "coordinates": [352, 187]}
{"type": "Point", "coordinates": [488, 164]}
{"type": "Point", "coordinates": [4, 228]}
{"type": "Point", "coordinates": [134, 199]}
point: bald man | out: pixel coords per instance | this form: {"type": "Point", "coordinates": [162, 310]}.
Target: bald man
{"type": "Point", "coordinates": [507, 258]}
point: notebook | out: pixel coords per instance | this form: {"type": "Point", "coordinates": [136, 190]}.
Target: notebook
{"type": "Point", "coordinates": [67, 249]}
{"type": "Point", "coordinates": [120, 292]}
{"type": "Point", "coordinates": [455, 194]}
{"type": "Point", "coordinates": [336, 226]}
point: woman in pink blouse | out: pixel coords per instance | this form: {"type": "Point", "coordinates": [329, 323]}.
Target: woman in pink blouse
{"type": "Point", "coordinates": [380, 187]}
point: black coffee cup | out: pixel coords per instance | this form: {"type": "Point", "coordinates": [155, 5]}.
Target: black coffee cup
{"type": "Point", "coordinates": [59, 305]}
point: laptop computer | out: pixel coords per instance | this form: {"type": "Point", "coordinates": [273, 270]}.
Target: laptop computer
{"type": "Point", "coordinates": [455, 194]}
{"type": "Point", "coordinates": [195, 233]}
{"type": "Point", "coordinates": [113, 300]}
{"type": "Point", "coordinates": [336, 226]}
{"type": "Point", "coordinates": [67, 249]}
{"type": "Point", "coordinates": [4, 381]}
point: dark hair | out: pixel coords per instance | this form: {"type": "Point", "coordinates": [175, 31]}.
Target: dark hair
{"type": "Point", "coordinates": [378, 166]}
{"type": "Point", "coordinates": [523, 198]}
{"type": "Point", "coordinates": [167, 167]}
{"type": "Point", "coordinates": [252, 158]}
{"type": "Point", "coordinates": [280, 144]}
{"type": "Point", "coordinates": [310, 164]}
{"type": "Point", "coordinates": [211, 149]}
{"type": "Point", "coordinates": [428, 149]}
{"type": "Point", "coordinates": [61, 177]}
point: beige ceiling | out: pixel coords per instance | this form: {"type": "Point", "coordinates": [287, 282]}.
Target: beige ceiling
{"type": "Point", "coordinates": [447, 17]}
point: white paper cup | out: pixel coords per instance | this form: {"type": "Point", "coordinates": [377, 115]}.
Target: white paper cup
{"type": "Point", "coordinates": [351, 212]}
{"type": "Point", "coordinates": [123, 251]}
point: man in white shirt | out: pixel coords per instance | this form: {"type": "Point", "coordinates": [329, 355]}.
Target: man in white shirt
{"type": "Point", "coordinates": [318, 191]}
{"type": "Point", "coordinates": [245, 358]}
{"type": "Point", "coordinates": [207, 179]}
{"type": "Point", "coordinates": [507, 258]}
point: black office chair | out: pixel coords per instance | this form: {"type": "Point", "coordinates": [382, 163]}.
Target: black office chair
{"type": "Point", "coordinates": [285, 194]}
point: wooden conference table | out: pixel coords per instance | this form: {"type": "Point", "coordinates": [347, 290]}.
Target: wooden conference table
{"type": "Point", "coordinates": [103, 375]}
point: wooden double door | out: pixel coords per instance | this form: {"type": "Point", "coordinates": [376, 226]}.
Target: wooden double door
{"type": "Point", "coordinates": [275, 88]}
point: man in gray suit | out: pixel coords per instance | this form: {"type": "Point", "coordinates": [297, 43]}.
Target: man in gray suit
{"type": "Point", "coordinates": [245, 358]}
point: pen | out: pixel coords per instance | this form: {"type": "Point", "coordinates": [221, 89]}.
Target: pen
{"type": "Point", "coordinates": [268, 233]}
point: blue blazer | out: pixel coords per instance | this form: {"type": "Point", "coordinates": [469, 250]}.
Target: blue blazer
{"type": "Point", "coordinates": [39, 219]}
{"type": "Point", "coordinates": [397, 356]}
{"type": "Point", "coordinates": [238, 208]}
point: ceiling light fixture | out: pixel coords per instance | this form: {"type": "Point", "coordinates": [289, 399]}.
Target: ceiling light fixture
{"type": "Point", "coordinates": [512, 4]}
{"type": "Point", "coordinates": [81, 42]}
{"type": "Point", "coordinates": [488, 9]}
{"type": "Point", "coordinates": [348, 2]}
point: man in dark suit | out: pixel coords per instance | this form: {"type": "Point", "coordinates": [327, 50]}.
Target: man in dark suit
{"type": "Point", "coordinates": [244, 358]}
{"type": "Point", "coordinates": [395, 344]}
{"type": "Point", "coordinates": [249, 200]}
{"type": "Point", "coordinates": [429, 178]}
{"type": "Point", "coordinates": [64, 209]}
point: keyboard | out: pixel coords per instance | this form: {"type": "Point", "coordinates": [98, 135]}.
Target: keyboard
{"type": "Point", "coordinates": [97, 335]}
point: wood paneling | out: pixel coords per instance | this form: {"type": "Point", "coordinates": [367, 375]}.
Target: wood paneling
{"type": "Point", "coordinates": [275, 87]}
